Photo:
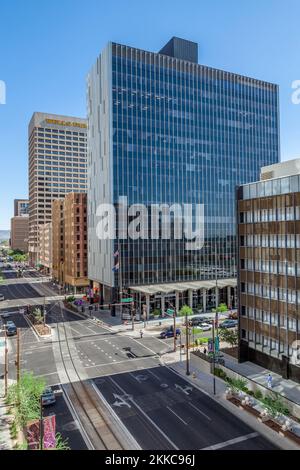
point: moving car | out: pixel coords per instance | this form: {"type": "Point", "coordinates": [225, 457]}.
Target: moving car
{"type": "Point", "coordinates": [11, 329]}
{"type": "Point", "coordinates": [205, 327]}
{"type": "Point", "coordinates": [169, 333]}
{"type": "Point", "coordinates": [229, 324]}
{"type": "Point", "coordinates": [48, 397]}
{"type": "Point", "coordinates": [1, 297]}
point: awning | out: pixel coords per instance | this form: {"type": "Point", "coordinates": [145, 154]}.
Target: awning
{"type": "Point", "coordinates": [183, 286]}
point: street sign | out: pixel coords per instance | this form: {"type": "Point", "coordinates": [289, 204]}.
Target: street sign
{"type": "Point", "coordinates": [170, 311]}
{"type": "Point", "coordinates": [128, 300]}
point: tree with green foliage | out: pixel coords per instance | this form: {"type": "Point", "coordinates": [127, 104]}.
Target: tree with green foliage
{"type": "Point", "coordinates": [185, 311]}
{"type": "Point", "coordinates": [229, 336]}
{"type": "Point", "coordinates": [25, 396]}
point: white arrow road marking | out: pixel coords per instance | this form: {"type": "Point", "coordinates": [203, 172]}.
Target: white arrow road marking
{"type": "Point", "coordinates": [184, 389]}
{"type": "Point", "coordinates": [121, 400]}
{"type": "Point", "coordinates": [140, 378]}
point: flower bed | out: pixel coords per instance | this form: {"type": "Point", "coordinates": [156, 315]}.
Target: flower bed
{"type": "Point", "coordinates": [40, 328]}
{"type": "Point", "coordinates": [263, 411]}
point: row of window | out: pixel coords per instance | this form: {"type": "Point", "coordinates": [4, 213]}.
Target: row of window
{"type": "Point", "coordinates": [267, 344]}
{"type": "Point", "coordinates": [273, 293]}
{"type": "Point", "coordinates": [42, 132]}
{"type": "Point", "coordinates": [288, 240]}
{"type": "Point", "coordinates": [273, 267]}
{"type": "Point", "coordinates": [273, 319]}
{"type": "Point", "coordinates": [271, 215]}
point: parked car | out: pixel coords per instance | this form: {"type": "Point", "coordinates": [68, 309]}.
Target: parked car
{"type": "Point", "coordinates": [229, 324]}
{"type": "Point", "coordinates": [205, 327]}
{"type": "Point", "coordinates": [208, 320]}
{"type": "Point", "coordinates": [5, 315]}
{"type": "Point", "coordinates": [11, 329]}
{"type": "Point", "coordinates": [192, 322]}
{"type": "Point", "coordinates": [1, 297]}
{"type": "Point", "coordinates": [48, 397]}
{"type": "Point", "coordinates": [169, 333]}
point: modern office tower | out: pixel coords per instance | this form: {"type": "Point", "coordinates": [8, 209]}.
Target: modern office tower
{"type": "Point", "coordinates": [45, 247]}
{"type": "Point", "coordinates": [19, 233]}
{"type": "Point", "coordinates": [21, 207]}
{"type": "Point", "coordinates": [57, 165]}
{"type": "Point", "coordinates": [164, 130]}
{"type": "Point", "coordinates": [269, 269]}
{"type": "Point", "coordinates": [69, 241]}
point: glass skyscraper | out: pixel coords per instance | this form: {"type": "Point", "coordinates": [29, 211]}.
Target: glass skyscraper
{"type": "Point", "coordinates": [164, 129]}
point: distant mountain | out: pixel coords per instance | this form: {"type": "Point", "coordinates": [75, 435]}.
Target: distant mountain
{"type": "Point", "coordinates": [4, 234]}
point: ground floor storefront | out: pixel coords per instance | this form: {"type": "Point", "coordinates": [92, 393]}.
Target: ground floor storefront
{"type": "Point", "coordinates": [201, 296]}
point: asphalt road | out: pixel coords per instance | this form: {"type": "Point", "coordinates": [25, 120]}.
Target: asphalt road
{"type": "Point", "coordinates": [158, 407]}
{"type": "Point", "coordinates": [66, 425]}
{"type": "Point", "coordinates": [163, 411]}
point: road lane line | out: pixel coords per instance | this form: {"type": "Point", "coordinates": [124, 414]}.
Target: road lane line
{"type": "Point", "coordinates": [170, 409]}
{"type": "Point", "coordinates": [232, 441]}
{"type": "Point", "coordinates": [145, 415]}
{"type": "Point", "coordinates": [199, 411]}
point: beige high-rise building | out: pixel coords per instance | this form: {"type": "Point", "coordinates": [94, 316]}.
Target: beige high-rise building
{"type": "Point", "coordinates": [69, 241]}
{"type": "Point", "coordinates": [21, 207]}
{"type": "Point", "coordinates": [57, 165]}
{"type": "Point", "coordinates": [45, 247]}
{"type": "Point", "coordinates": [19, 233]}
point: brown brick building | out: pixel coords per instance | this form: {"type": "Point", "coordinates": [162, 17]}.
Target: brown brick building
{"type": "Point", "coordinates": [69, 233]}
{"type": "Point", "coordinates": [269, 269]}
{"type": "Point", "coordinates": [19, 226]}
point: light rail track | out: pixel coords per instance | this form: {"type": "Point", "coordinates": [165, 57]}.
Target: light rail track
{"type": "Point", "coordinates": [84, 399]}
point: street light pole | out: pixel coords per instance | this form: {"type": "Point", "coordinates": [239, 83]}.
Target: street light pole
{"type": "Point", "coordinates": [187, 345]}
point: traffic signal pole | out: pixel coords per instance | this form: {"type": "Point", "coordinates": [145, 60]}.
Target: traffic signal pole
{"type": "Point", "coordinates": [187, 345]}
{"type": "Point", "coordinates": [5, 366]}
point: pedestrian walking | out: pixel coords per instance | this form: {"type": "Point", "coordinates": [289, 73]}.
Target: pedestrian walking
{"type": "Point", "coordinates": [141, 333]}
{"type": "Point", "coordinates": [270, 381]}
{"type": "Point", "coordinates": [204, 350]}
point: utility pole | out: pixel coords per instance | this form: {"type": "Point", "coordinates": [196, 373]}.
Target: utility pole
{"type": "Point", "coordinates": [213, 363]}
{"type": "Point", "coordinates": [132, 315]}
{"type": "Point", "coordinates": [18, 355]}
{"type": "Point", "coordinates": [174, 322]}
{"type": "Point", "coordinates": [174, 326]}
{"type": "Point", "coordinates": [5, 366]}
{"type": "Point", "coordinates": [187, 345]}
{"type": "Point", "coordinates": [41, 424]}
{"type": "Point", "coordinates": [144, 314]}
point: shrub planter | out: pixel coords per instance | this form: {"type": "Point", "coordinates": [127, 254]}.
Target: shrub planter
{"type": "Point", "coordinates": [41, 330]}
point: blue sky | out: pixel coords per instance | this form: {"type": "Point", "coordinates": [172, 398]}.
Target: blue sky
{"type": "Point", "coordinates": [47, 48]}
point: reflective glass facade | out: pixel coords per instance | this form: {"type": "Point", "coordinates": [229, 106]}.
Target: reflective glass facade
{"type": "Point", "coordinates": [182, 133]}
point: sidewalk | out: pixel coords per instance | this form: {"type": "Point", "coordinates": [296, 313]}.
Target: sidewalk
{"type": "Point", "coordinates": [286, 388]}
{"type": "Point", "coordinates": [5, 439]}
{"type": "Point", "coordinates": [204, 382]}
